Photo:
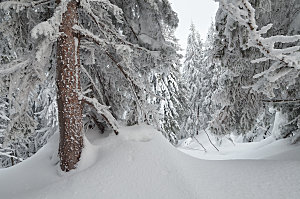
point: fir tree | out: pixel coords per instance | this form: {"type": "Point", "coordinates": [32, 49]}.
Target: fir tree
{"type": "Point", "coordinates": [192, 75]}
{"type": "Point", "coordinates": [241, 42]}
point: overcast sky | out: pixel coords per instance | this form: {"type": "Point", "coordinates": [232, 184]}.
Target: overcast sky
{"type": "Point", "coordinates": [200, 12]}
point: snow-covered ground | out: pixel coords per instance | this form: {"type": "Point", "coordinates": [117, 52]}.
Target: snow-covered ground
{"type": "Point", "coordinates": [141, 164]}
{"type": "Point", "coordinates": [268, 149]}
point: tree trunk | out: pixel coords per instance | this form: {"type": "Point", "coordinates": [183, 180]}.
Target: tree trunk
{"type": "Point", "coordinates": [68, 83]}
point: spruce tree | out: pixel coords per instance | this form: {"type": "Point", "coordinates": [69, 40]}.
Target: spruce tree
{"type": "Point", "coordinates": [247, 86]}
{"type": "Point", "coordinates": [192, 75]}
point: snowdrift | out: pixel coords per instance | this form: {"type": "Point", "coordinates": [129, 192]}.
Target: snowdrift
{"type": "Point", "coordinates": [141, 164]}
{"type": "Point", "coordinates": [268, 149]}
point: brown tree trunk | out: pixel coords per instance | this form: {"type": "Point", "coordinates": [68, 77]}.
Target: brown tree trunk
{"type": "Point", "coordinates": [68, 83]}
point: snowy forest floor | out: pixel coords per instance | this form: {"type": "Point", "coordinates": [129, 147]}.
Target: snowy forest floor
{"type": "Point", "coordinates": [268, 149]}
{"type": "Point", "coordinates": [141, 164]}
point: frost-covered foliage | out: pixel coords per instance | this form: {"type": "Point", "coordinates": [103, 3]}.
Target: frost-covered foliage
{"type": "Point", "coordinates": [192, 76]}
{"type": "Point", "coordinates": [238, 106]}
{"type": "Point", "coordinates": [20, 72]}
{"type": "Point", "coordinates": [259, 50]}
{"type": "Point", "coordinates": [123, 45]}
{"type": "Point", "coordinates": [200, 75]}
{"type": "Point", "coordinates": [209, 78]}
{"type": "Point", "coordinates": [135, 51]}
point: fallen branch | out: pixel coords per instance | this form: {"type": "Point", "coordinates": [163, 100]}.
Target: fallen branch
{"type": "Point", "coordinates": [199, 143]}
{"type": "Point", "coordinates": [211, 141]}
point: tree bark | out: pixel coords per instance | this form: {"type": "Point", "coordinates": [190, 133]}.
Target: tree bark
{"type": "Point", "coordinates": [68, 83]}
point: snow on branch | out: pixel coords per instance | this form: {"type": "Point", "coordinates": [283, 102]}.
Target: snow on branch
{"type": "Point", "coordinates": [19, 6]}
{"type": "Point", "coordinates": [50, 28]}
{"type": "Point", "coordinates": [93, 83]}
{"type": "Point", "coordinates": [103, 43]}
{"type": "Point", "coordinates": [281, 100]}
{"type": "Point", "coordinates": [13, 66]}
{"type": "Point", "coordinates": [102, 110]}
{"type": "Point", "coordinates": [108, 32]}
{"type": "Point", "coordinates": [244, 13]}
{"type": "Point", "coordinates": [90, 35]}
{"type": "Point", "coordinates": [3, 116]}
{"type": "Point", "coordinates": [10, 156]}
{"type": "Point", "coordinates": [108, 6]}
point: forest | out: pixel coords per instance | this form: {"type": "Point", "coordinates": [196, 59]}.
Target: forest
{"type": "Point", "coordinates": [74, 70]}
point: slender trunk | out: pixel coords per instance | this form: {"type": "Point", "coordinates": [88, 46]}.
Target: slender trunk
{"type": "Point", "coordinates": [68, 82]}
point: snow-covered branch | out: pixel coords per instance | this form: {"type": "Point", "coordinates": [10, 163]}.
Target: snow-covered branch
{"type": "Point", "coordinates": [50, 28]}
{"type": "Point", "coordinates": [106, 5]}
{"type": "Point", "coordinates": [102, 110]}
{"type": "Point", "coordinates": [13, 66]}
{"type": "Point", "coordinates": [19, 6]}
{"type": "Point", "coordinates": [93, 83]}
{"type": "Point", "coordinates": [10, 156]}
{"type": "Point", "coordinates": [281, 100]}
{"type": "Point", "coordinates": [108, 32]}
{"type": "Point", "coordinates": [244, 13]}
{"type": "Point", "coordinates": [103, 43]}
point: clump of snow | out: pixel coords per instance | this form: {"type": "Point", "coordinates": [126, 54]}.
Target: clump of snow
{"type": "Point", "coordinates": [187, 142]}
{"type": "Point", "coordinates": [280, 119]}
{"type": "Point", "coordinates": [50, 28]}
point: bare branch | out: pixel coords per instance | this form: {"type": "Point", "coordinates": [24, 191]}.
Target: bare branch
{"type": "Point", "coordinates": [211, 141]}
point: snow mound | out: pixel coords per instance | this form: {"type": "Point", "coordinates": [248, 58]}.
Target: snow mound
{"type": "Point", "coordinates": [267, 149]}
{"type": "Point", "coordinates": [141, 164]}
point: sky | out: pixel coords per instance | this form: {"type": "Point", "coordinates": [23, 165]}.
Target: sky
{"type": "Point", "coordinates": [200, 12]}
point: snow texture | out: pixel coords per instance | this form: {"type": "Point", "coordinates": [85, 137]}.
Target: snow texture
{"type": "Point", "coordinates": [123, 167]}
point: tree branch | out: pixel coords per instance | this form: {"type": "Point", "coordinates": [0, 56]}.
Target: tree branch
{"type": "Point", "coordinates": [281, 100]}
{"type": "Point", "coordinates": [101, 112]}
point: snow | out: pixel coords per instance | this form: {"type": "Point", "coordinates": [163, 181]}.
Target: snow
{"type": "Point", "coordinates": [268, 149]}
{"type": "Point", "coordinates": [139, 163]}
{"type": "Point", "coordinates": [50, 28]}
{"type": "Point", "coordinates": [280, 120]}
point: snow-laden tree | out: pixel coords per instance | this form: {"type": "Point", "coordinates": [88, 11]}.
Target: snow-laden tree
{"type": "Point", "coordinates": [104, 53]}
{"type": "Point", "coordinates": [191, 79]}
{"type": "Point", "coordinates": [238, 106]}
{"type": "Point", "coordinates": [17, 80]}
{"type": "Point", "coordinates": [209, 78]}
{"type": "Point", "coordinates": [275, 75]}
{"type": "Point", "coordinates": [200, 74]}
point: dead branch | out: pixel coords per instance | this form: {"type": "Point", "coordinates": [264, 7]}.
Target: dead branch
{"type": "Point", "coordinates": [211, 141]}
{"type": "Point", "coordinates": [200, 143]}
